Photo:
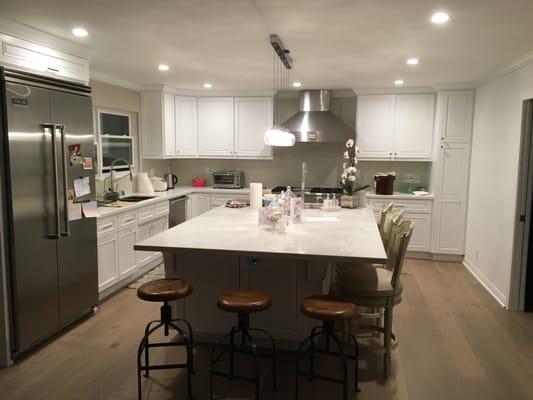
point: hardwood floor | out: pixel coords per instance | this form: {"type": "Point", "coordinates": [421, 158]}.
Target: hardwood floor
{"type": "Point", "coordinates": [455, 342]}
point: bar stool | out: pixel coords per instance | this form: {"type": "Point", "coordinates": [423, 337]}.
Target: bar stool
{"type": "Point", "coordinates": [329, 310]}
{"type": "Point", "coordinates": [243, 302]}
{"type": "Point", "coordinates": [165, 290]}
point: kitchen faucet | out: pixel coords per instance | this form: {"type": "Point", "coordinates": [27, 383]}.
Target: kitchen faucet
{"type": "Point", "coordinates": [111, 193]}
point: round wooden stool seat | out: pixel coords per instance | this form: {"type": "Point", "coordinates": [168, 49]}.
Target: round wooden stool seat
{"type": "Point", "coordinates": [328, 308]}
{"type": "Point", "coordinates": [244, 301]}
{"type": "Point", "coordinates": [164, 290]}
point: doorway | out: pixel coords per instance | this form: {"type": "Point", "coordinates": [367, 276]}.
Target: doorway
{"type": "Point", "coordinates": [521, 291]}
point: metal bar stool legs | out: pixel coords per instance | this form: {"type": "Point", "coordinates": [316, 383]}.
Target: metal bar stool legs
{"type": "Point", "coordinates": [246, 346]}
{"type": "Point", "coordinates": [309, 347]}
{"type": "Point", "coordinates": [184, 340]}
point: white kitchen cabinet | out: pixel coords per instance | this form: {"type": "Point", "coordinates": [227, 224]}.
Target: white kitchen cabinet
{"type": "Point", "coordinates": [418, 210]}
{"type": "Point", "coordinates": [456, 116]}
{"type": "Point", "coordinates": [118, 262]}
{"type": "Point", "coordinates": [253, 116]}
{"type": "Point", "coordinates": [215, 127]}
{"type": "Point", "coordinates": [126, 255]}
{"type": "Point", "coordinates": [144, 232]}
{"type": "Point", "coordinates": [451, 189]}
{"type": "Point", "coordinates": [158, 137]}
{"type": "Point", "coordinates": [186, 126]}
{"type": "Point", "coordinates": [375, 126]}
{"type": "Point", "coordinates": [107, 260]}
{"type": "Point", "coordinates": [199, 203]}
{"type": "Point", "coordinates": [33, 57]}
{"type": "Point", "coordinates": [452, 167]}
{"type": "Point", "coordinates": [395, 127]}
{"type": "Point", "coordinates": [413, 126]}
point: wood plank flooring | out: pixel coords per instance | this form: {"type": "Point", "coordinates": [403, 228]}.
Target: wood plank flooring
{"type": "Point", "coordinates": [455, 342]}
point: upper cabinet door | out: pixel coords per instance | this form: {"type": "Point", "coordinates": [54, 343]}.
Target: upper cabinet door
{"type": "Point", "coordinates": [253, 116]}
{"type": "Point", "coordinates": [455, 124]}
{"type": "Point", "coordinates": [375, 126]}
{"type": "Point", "coordinates": [215, 127]}
{"type": "Point", "coordinates": [186, 113]}
{"type": "Point", "coordinates": [413, 126]}
{"type": "Point", "coordinates": [169, 128]}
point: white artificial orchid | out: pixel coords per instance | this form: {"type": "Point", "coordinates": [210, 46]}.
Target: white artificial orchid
{"type": "Point", "coordinates": [351, 178]}
{"type": "Point", "coordinates": [346, 155]}
{"type": "Point", "coordinates": [351, 170]}
{"type": "Point", "coordinates": [349, 143]}
{"type": "Point", "coordinates": [356, 150]}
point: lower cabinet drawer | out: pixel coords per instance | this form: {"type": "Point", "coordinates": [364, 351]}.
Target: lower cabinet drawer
{"type": "Point", "coordinates": [408, 205]}
{"type": "Point", "coordinates": [161, 208]}
{"type": "Point", "coordinates": [145, 213]}
{"type": "Point", "coordinates": [106, 225]}
{"type": "Point", "coordinates": [221, 199]}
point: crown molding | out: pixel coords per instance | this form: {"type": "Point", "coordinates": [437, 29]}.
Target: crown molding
{"type": "Point", "coordinates": [394, 90]}
{"type": "Point", "coordinates": [517, 64]}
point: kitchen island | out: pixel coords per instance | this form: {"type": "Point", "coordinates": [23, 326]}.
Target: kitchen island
{"type": "Point", "coordinates": [225, 248]}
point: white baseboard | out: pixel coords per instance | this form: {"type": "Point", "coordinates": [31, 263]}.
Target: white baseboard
{"type": "Point", "coordinates": [486, 283]}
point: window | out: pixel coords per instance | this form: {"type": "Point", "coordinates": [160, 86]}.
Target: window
{"type": "Point", "coordinates": [115, 138]}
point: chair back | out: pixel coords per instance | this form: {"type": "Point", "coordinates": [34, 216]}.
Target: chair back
{"type": "Point", "coordinates": [393, 218]}
{"type": "Point", "coordinates": [384, 212]}
{"type": "Point", "coordinates": [401, 235]}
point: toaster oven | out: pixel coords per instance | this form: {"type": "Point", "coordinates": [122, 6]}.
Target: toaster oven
{"type": "Point", "coordinates": [228, 179]}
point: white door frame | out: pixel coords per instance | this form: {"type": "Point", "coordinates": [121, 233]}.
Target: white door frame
{"type": "Point", "coordinates": [524, 198]}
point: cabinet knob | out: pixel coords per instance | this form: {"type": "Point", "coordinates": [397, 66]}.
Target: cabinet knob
{"type": "Point", "coordinates": [390, 154]}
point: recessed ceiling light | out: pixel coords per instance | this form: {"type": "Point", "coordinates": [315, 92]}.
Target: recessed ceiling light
{"type": "Point", "coordinates": [297, 84]}
{"type": "Point", "coordinates": [80, 32]}
{"type": "Point", "coordinates": [440, 17]}
{"type": "Point", "coordinates": [163, 67]}
{"type": "Point", "coordinates": [398, 82]}
{"type": "Point", "coordinates": [413, 61]}
{"type": "Point", "coordinates": [207, 85]}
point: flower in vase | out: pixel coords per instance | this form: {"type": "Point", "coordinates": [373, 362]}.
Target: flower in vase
{"type": "Point", "coordinates": [349, 143]}
{"type": "Point", "coordinates": [346, 155]}
{"type": "Point", "coordinates": [351, 178]}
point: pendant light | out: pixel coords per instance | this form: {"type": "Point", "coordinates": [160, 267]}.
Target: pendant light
{"type": "Point", "coordinates": [278, 136]}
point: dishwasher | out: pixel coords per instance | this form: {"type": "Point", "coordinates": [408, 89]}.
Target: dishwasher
{"type": "Point", "coordinates": [178, 211]}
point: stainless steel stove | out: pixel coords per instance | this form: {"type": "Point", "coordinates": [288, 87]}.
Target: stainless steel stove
{"type": "Point", "coordinates": [313, 196]}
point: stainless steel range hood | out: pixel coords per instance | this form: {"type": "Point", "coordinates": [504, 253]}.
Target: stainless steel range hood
{"type": "Point", "coordinates": [314, 122]}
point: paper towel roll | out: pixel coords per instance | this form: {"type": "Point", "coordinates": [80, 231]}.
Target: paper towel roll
{"type": "Point", "coordinates": [256, 195]}
{"type": "Point", "coordinates": [143, 184]}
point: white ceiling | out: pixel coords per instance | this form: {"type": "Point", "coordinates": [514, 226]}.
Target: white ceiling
{"type": "Point", "coordinates": [334, 43]}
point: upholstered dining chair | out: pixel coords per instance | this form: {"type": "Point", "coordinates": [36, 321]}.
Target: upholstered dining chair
{"type": "Point", "coordinates": [379, 287]}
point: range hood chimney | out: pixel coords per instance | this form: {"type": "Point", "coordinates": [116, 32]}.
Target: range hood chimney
{"type": "Point", "coordinates": [314, 122]}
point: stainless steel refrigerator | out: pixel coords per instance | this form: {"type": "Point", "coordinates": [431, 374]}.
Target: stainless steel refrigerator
{"type": "Point", "coordinates": [47, 144]}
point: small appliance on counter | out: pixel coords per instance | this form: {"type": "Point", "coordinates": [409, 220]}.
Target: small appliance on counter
{"type": "Point", "coordinates": [384, 183]}
{"type": "Point", "coordinates": [199, 182]}
{"type": "Point", "coordinates": [228, 179]}
{"type": "Point", "coordinates": [159, 184]}
{"type": "Point", "coordinates": [171, 180]}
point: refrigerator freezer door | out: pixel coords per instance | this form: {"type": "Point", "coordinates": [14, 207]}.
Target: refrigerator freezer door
{"type": "Point", "coordinates": [77, 251]}
{"type": "Point", "coordinates": [34, 253]}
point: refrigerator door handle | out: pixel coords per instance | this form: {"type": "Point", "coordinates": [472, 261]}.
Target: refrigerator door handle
{"type": "Point", "coordinates": [66, 232]}
{"type": "Point", "coordinates": [50, 129]}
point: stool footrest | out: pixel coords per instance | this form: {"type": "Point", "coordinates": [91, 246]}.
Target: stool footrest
{"type": "Point", "coordinates": [321, 377]}
{"type": "Point", "coordinates": [163, 366]}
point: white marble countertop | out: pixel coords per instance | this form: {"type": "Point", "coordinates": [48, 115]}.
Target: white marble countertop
{"type": "Point", "coordinates": [167, 195]}
{"type": "Point", "coordinates": [345, 235]}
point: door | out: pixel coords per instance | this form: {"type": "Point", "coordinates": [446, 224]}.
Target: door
{"type": "Point", "coordinates": [253, 116]}
{"type": "Point", "coordinates": [77, 248]}
{"type": "Point", "coordinates": [186, 113]}
{"type": "Point", "coordinates": [450, 203]}
{"type": "Point", "coordinates": [455, 120]}
{"type": "Point", "coordinates": [215, 127]}
{"type": "Point", "coordinates": [413, 127]}
{"type": "Point", "coordinates": [107, 260]}
{"type": "Point", "coordinates": [169, 128]}
{"type": "Point", "coordinates": [32, 209]}
{"type": "Point", "coordinates": [127, 260]}
{"type": "Point", "coordinates": [375, 126]}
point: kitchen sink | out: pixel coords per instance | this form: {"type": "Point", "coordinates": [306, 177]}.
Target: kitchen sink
{"type": "Point", "coordinates": [134, 199]}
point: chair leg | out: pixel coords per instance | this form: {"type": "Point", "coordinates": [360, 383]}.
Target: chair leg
{"type": "Point", "coordinates": [387, 358]}
{"type": "Point", "coordinates": [273, 354]}
{"type": "Point", "coordinates": [356, 357]}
